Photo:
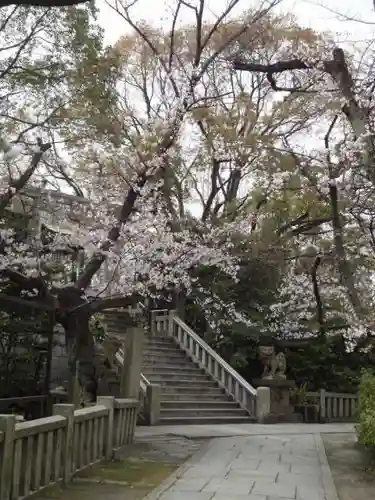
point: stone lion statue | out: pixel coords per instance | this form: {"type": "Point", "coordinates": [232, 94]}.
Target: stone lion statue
{"type": "Point", "coordinates": [274, 364]}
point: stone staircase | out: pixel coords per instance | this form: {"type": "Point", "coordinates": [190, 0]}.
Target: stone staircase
{"type": "Point", "coordinates": [188, 395]}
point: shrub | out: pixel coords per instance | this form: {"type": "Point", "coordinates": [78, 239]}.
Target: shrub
{"type": "Point", "coordinates": [366, 410]}
{"type": "Point", "coordinates": [98, 328]}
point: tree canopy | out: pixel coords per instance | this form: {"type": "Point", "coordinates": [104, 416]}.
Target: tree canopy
{"type": "Point", "coordinates": [229, 160]}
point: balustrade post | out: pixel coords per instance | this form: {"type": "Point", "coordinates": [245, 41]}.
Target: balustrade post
{"type": "Point", "coordinates": [108, 402]}
{"type": "Point", "coordinates": [263, 403]}
{"type": "Point", "coordinates": [322, 403]}
{"type": "Point", "coordinates": [7, 426]}
{"type": "Point", "coordinates": [171, 316]}
{"type": "Point", "coordinates": [153, 404]}
{"type": "Point", "coordinates": [67, 411]}
{"type": "Point", "coordinates": [133, 359]}
{"type": "Point", "coordinates": [153, 323]}
{"type": "Point", "coordinates": [74, 389]}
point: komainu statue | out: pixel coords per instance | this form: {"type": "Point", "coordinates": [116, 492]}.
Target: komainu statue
{"type": "Point", "coordinates": [274, 364]}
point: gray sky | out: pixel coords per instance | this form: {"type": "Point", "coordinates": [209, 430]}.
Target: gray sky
{"type": "Point", "coordinates": [309, 13]}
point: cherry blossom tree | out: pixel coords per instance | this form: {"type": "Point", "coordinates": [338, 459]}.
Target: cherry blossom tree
{"type": "Point", "coordinates": [128, 224]}
{"type": "Point", "coordinates": [340, 172]}
{"type": "Point", "coordinates": [181, 150]}
{"type": "Point", "coordinates": [233, 160]}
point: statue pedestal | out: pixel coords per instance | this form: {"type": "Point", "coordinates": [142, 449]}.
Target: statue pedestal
{"type": "Point", "coordinates": [281, 407]}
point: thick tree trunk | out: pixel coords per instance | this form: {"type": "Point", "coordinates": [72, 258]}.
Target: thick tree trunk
{"type": "Point", "coordinates": [79, 340]}
{"type": "Point", "coordinates": [343, 264]}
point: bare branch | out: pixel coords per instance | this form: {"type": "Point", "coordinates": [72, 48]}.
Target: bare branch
{"type": "Point", "coordinates": [42, 3]}
{"type": "Point", "coordinates": [16, 185]}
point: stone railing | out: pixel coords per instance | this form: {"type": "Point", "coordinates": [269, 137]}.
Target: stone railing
{"type": "Point", "coordinates": [167, 323]}
{"type": "Point", "coordinates": [159, 322]}
{"type": "Point", "coordinates": [334, 406]}
{"type": "Point", "coordinates": [42, 452]}
{"type": "Point", "coordinates": [149, 394]}
{"type": "Point", "coordinates": [32, 406]}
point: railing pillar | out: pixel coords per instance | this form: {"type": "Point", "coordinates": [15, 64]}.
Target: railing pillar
{"type": "Point", "coordinates": [263, 403]}
{"type": "Point", "coordinates": [171, 316]}
{"type": "Point", "coordinates": [322, 403]}
{"type": "Point", "coordinates": [153, 323]}
{"type": "Point", "coordinates": [74, 389]}
{"type": "Point", "coordinates": [108, 402]}
{"type": "Point", "coordinates": [153, 404]}
{"type": "Point", "coordinates": [132, 367]}
{"type": "Point", "coordinates": [67, 411]}
{"type": "Point", "coordinates": [7, 425]}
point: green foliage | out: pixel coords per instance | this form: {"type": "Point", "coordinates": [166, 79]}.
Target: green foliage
{"type": "Point", "coordinates": [23, 349]}
{"type": "Point", "coordinates": [366, 410]}
{"type": "Point", "coordinates": [98, 328]}
{"type": "Point", "coordinates": [250, 296]}
{"type": "Point", "coordinates": [327, 364]}
{"type": "Point", "coordinates": [300, 394]}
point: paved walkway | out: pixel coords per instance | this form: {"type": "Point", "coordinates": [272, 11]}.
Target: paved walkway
{"type": "Point", "coordinates": [265, 463]}
{"type": "Point", "coordinates": [223, 430]}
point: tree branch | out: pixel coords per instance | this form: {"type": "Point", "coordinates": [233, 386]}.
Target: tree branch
{"type": "Point", "coordinates": [344, 266]}
{"type": "Point", "coordinates": [112, 303]}
{"type": "Point", "coordinates": [20, 183]}
{"type": "Point", "coordinates": [278, 67]}
{"type": "Point", "coordinates": [318, 298]}
{"type": "Point", "coordinates": [42, 3]}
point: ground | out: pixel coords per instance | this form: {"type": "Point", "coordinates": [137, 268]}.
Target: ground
{"type": "Point", "coordinates": [254, 467]}
{"type": "Point", "coordinates": [242, 462]}
{"type": "Point", "coordinates": [133, 474]}
{"type": "Point", "coordinates": [352, 472]}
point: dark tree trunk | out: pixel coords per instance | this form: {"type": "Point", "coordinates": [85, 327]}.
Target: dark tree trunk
{"type": "Point", "coordinates": [74, 317]}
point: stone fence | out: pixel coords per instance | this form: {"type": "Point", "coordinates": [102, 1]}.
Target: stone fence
{"type": "Point", "coordinates": [42, 452]}
{"type": "Point", "coordinates": [334, 406]}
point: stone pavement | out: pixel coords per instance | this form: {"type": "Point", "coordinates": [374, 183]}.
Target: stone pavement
{"type": "Point", "coordinates": [272, 466]}
{"type": "Point", "coordinates": [223, 430]}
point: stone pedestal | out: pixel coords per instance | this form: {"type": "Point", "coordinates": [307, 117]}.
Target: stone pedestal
{"type": "Point", "coordinates": [281, 409]}
{"type": "Point", "coordinates": [132, 368]}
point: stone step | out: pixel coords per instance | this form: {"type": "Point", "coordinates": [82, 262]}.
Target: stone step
{"type": "Point", "coordinates": [171, 378]}
{"type": "Point", "coordinates": [163, 349]}
{"type": "Point", "coordinates": [204, 383]}
{"type": "Point", "coordinates": [154, 367]}
{"type": "Point", "coordinates": [185, 390]}
{"type": "Point", "coordinates": [157, 351]}
{"type": "Point", "coordinates": [211, 420]}
{"type": "Point", "coordinates": [195, 396]}
{"type": "Point", "coordinates": [158, 340]}
{"type": "Point", "coordinates": [202, 412]}
{"type": "Point", "coordinates": [174, 369]}
{"type": "Point", "coordinates": [203, 403]}
{"type": "Point", "coordinates": [157, 344]}
{"type": "Point", "coordinates": [172, 357]}
{"type": "Point", "coordinates": [166, 358]}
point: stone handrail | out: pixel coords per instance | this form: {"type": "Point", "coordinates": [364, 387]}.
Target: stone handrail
{"type": "Point", "coordinates": [335, 406]}
{"type": "Point", "coordinates": [146, 390]}
{"type": "Point", "coordinates": [42, 452]}
{"type": "Point", "coordinates": [213, 364]}
{"type": "Point", "coordinates": [124, 421]}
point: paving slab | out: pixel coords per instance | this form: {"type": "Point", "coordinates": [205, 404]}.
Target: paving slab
{"type": "Point", "coordinates": [258, 467]}
{"type": "Point", "coordinates": [228, 431]}
{"type": "Point", "coordinates": [186, 495]}
{"type": "Point", "coordinates": [224, 496]}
